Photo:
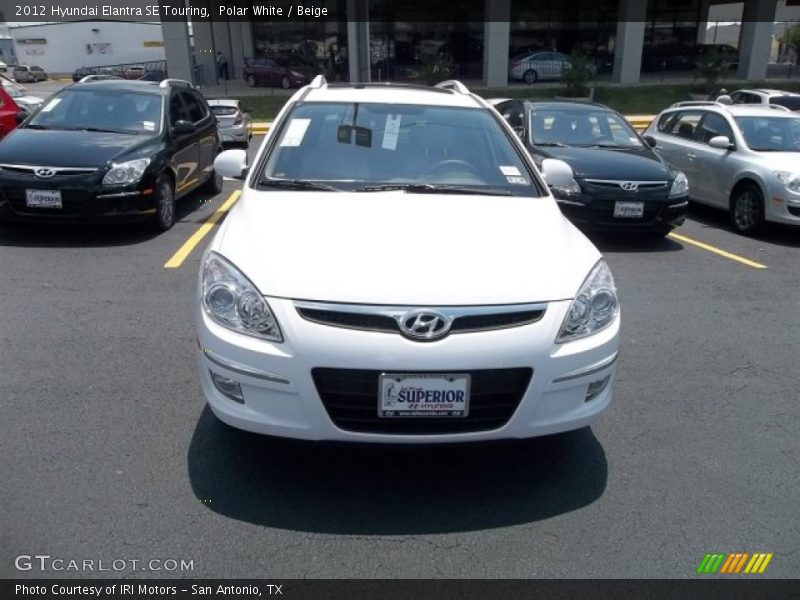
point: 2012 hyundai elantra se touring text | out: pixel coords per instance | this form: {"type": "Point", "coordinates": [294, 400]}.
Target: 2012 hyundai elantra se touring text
{"type": "Point", "coordinates": [397, 271]}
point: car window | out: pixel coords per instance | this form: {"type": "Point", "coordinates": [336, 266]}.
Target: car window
{"type": "Point", "coordinates": [78, 109]}
{"type": "Point", "coordinates": [714, 125]}
{"type": "Point", "coordinates": [581, 127]}
{"type": "Point", "coordinates": [366, 144]}
{"type": "Point", "coordinates": [685, 124]}
{"type": "Point", "coordinates": [176, 109]}
{"type": "Point", "coordinates": [771, 134]}
{"type": "Point", "coordinates": [195, 111]}
{"type": "Point", "coordinates": [745, 98]}
{"type": "Point", "coordinates": [790, 102]}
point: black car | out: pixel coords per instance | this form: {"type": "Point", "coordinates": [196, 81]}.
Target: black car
{"type": "Point", "coordinates": [110, 150]}
{"type": "Point", "coordinates": [615, 180]}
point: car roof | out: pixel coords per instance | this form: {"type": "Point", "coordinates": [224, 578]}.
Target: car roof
{"type": "Point", "coordinates": [564, 104]}
{"type": "Point", "coordinates": [390, 94]}
{"type": "Point", "coordinates": [121, 85]}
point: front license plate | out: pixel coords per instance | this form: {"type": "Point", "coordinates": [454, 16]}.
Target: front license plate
{"type": "Point", "coordinates": [43, 198]}
{"type": "Point", "coordinates": [629, 210]}
{"type": "Point", "coordinates": [423, 395]}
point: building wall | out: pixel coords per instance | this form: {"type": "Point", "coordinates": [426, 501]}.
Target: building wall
{"type": "Point", "coordinates": [63, 47]}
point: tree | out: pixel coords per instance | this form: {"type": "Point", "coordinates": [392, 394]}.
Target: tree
{"type": "Point", "coordinates": [791, 38]}
{"type": "Point", "coordinates": [712, 65]}
{"type": "Point", "coordinates": [577, 75]}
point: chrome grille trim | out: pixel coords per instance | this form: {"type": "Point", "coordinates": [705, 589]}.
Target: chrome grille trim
{"type": "Point", "coordinates": [386, 318]}
{"type": "Point", "coordinates": [58, 170]}
{"type": "Point", "coordinates": [649, 185]}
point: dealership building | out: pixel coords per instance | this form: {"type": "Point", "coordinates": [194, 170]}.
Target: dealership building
{"type": "Point", "coordinates": [375, 40]}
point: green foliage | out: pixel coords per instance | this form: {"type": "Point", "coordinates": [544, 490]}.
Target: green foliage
{"type": "Point", "coordinates": [791, 38]}
{"type": "Point", "coordinates": [712, 66]}
{"type": "Point", "coordinates": [436, 67]}
{"type": "Point", "coordinates": [577, 76]}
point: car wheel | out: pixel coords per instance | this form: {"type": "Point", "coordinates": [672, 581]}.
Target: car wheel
{"type": "Point", "coordinates": [251, 81]}
{"type": "Point", "coordinates": [165, 204]}
{"type": "Point", "coordinates": [747, 209]}
{"type": "Point", "coordinates": [530, 76]}
{"type": "Point", "coordinates": [214, 183]}
{"type": "Point", "coordinates": [285, 82]}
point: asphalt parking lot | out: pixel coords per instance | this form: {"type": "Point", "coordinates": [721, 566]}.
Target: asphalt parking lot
{"type": "Point", "coordinates": [110, 452]}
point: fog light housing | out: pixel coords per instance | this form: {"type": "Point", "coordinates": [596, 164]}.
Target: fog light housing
{"type": "Point", "coordinates": [228, 387]}
{"type": "Point", "coordinates": [596, 388]}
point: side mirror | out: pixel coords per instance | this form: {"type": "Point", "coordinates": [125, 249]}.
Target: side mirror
{"type": "Point", "coordinates": [651, 141]}
{"type": "Point", "coordinates": [721, 141]}
{"type": "Point", "coordinates": [183, 127]}
{"type": "Point", "coordinates": [22, 115]}
{"type": "Point", "coordinates": [231, 163]}
{"type": "Point", "coordinates": [558, 175]}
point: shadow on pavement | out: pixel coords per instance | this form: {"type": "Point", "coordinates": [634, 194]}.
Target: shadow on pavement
{"type": "Point", "coordinates": [632, 242]}
{"type": "Point", "coordinates": [771, 233]}
{"type": "Point", "coordinates": [391, 490]}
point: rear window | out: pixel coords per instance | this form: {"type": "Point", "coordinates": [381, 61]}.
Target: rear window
{"type": "Point", "coordinates": [790, 102]}
{"type": "Point", "coordinates": [223, 111]}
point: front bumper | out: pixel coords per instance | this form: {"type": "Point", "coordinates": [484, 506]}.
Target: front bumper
{"type": "Point", "coordinates": [598, 213]}
{"type": "Point", "coordinates": [281, 397]}
{"type": "Point", "coordinates": [84, 199]}
{"type": "Point", "coordinates": [238, 134]}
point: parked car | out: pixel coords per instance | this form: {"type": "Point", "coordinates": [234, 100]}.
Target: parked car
{"type": "Point", "coordinates": [3, 67]}
{"type": "Point", "coordinates": [20, 95]}
{"type": "Point", "coordinates": [10, 113]}
{"type": "Point", "coordinates": [615, 180]}
{"type": "Point", "coordinates": [267, 71]}
{"type": "Point", "coordinates": [345, 297]}
{"type": "Point", "coordinates": [740, 158]}
{"type": "Point", "coordinates": [536, 66]}
{"type": "Point", "coordinates": [89, 78]}
{"type": "Point", "coordinates": [134, 72]}
{"type": "Point", "coordinates": [28, 74]}
{"type": "Point", "coordinates": [233, 121]}
{"type": "Point", "coordinates": [110, 150]}
{"type": "Point", "coordinates": [767, 98]}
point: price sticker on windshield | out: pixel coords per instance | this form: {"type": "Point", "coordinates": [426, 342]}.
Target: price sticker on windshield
{"type": "Point", "coordinates": [295, 132]}
{"type": "Point", "coordinates": [391, 131]}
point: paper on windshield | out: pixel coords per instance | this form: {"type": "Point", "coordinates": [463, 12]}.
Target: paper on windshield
{"type": "Point", "coordinates": [391, 131]}
{"type": "Point", "coordinates": [51, 105]}
{"type": "Point", "coordinates": [295, 132]}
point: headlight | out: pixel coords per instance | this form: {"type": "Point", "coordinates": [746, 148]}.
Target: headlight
{"type": "Point", "coordinates": [594, 307]}
{"type": "Point", "coordinates": [790, 180]}
{"type": "Point", "coordinates": [232, 301]}
{"type": "Point", "coordinates": [127, 172]}
{"type": "Point", "coordinates": [680, 187]}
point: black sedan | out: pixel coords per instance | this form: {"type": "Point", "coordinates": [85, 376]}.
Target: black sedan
{"type": "Point", "coordinates": [602, 173]}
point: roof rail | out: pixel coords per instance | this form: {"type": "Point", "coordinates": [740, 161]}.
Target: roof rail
{"type": "Point", "coordinates": [696, 103]}
{"type": "Point", "coordinates": [453, 84]}
{"type": "Point", "coordinates": [174, 82]}
{"type": "Point", "coordinates": [318, 82]}
{"type": "Point", "coordinates": [779, 107]}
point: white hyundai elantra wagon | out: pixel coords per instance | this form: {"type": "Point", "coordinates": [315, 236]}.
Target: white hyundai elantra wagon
{"type": "Point", "coordinates": [396, 270]}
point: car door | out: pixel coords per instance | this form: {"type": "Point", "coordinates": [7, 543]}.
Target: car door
{"type": "Point", "coordinates": [677, 144]}
{"type": "Point", "coordinates": [713, 166]}
{"type": "Point", "coordinates": [185, 158]}
{"type": "Point", "coordinates": [207, 138]}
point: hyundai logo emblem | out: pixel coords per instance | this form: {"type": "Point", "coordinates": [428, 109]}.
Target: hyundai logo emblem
{"type": "Point", "coordinates": [44, 172]}
{"type": "Point", "coordinates": [424, 325]}
{"type": "Point", "coordinates": [629, 186]}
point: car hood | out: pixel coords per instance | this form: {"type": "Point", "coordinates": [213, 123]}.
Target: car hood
{"type": "Point", "coordinates": [618, 164]}
{"type": "Point", "coordinates": [394, 248]}
{"type": "Point", "coordinates": [56, 148]}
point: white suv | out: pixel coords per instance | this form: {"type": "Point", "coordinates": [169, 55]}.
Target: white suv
{"type": "Point", "coordinates": [396, 270]}
{"type": "Point", "coordinates": [741, 158]}
{"type": "Point", "coordinates": [767, 98]}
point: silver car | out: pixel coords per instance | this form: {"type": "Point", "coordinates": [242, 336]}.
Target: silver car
{"type": "Point", "coordinates": [233, 122]}
{"type": "Point", "coordinates": [534, 66]}
{"type": "Point", "coordinates": [741, 158]}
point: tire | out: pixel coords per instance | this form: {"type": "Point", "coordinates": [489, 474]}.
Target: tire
{"type": "Point", "coordinates": [165, 204]}
{"type": "Point", "coordinates": [747, 209]}
{"type": "Point", "coordinates": [530, 76]}
{"type": "Point", "coordinates": [214, 184]}
{"type": "Point", "coordinates": [251, 81]}
{"type": "Point", "coordinates": [285, 82]}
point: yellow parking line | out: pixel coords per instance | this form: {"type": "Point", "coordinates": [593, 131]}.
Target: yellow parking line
{"type": "Point", "coordinates": [177, 259]}
{"type": "Point", "coordinates": [718, 251]}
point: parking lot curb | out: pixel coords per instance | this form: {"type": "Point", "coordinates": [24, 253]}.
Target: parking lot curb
{"type": "Point", "coordinates": [260, 127]}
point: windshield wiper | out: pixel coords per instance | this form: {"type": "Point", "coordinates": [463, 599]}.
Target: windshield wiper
{"type": "Point", "coordinates": [298, 184]}
{"type": "Point", "coordinates": [608, 145]}
{"type": "Point", "coordinates": [550, 144]}
{"type": "Point", "coordinates": [432, 188]}
{"type": "Point", "coordinates": [36, 126]}
{"type": "Point", "coordinates": [104, 130]}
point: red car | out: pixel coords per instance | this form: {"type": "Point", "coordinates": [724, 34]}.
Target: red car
{"type": "Point", "coordinates": [8, 113]}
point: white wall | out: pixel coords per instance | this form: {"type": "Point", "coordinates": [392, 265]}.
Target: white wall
{"type": "Point", "coordinates": [68, 45]}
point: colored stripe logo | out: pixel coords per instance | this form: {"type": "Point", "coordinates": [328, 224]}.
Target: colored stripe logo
{"type": "Point", "coordinates": [734, 562]}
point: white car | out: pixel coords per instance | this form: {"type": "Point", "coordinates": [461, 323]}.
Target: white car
{"type": "Point", "coordinates": [396, 270]}
{"type": "Point", "coordinates": [767, 97]}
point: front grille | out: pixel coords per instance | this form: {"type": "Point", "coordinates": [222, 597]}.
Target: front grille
{"type": "Point", "coordinates": [372, 321]}
{"type": "Point", "coordinates": [350, 397]}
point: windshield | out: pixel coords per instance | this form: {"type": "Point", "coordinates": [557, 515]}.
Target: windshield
{"type": "Point", "coordinates": [365, 146]}
{"type": "Point", "coordinates": [582, 127]}
{"type": "Point", "coordinates": [223, 111]}
{"type": "Point", "coordinates": [771, 134]}
{"type": "Point", "coordinates": [123, 112]}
